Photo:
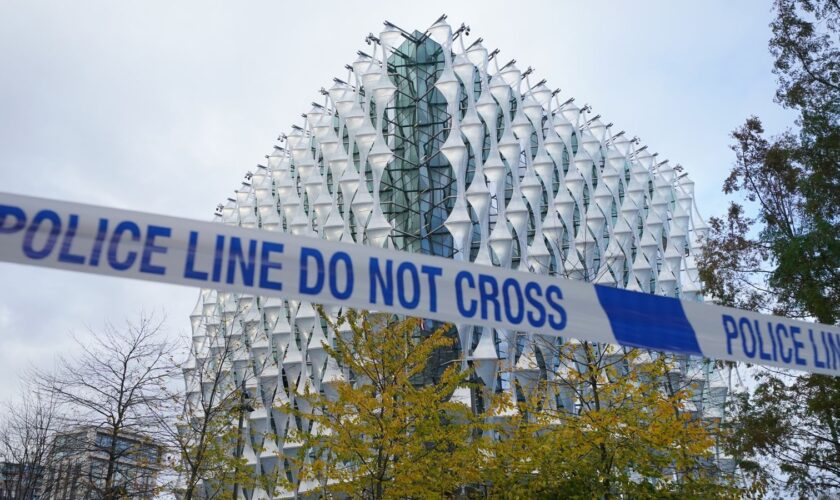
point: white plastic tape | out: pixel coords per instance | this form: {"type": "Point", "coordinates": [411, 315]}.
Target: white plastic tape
{"type": "Point", "coordinates": [112, 242]}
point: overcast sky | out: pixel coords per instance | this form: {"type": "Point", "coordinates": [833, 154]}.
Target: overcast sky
{"type": "Point", "coordinates": [163, 107]}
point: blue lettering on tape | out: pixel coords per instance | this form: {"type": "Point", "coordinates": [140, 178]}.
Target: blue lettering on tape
{"type": "Point", "coordinates": [347, 291]}
{"type": "Point", "coordinates": [149, 249]}
{"type": "Point", "coordinates": [111, 242]}
{"type": "Point", "coordinates": [266, 265]}
{"type": "Point", "coordinates": [96, 253]}
{"type": "Point", "coordinates": [308, 257]}
{"type": "Point", "coordinates": [381, 280]}
{"type": "Point", "coordinates": [131, 256]}
{"type": "Point", "coordinates": [19, 217]}
{"type": "Point", "coordinates": [488, 289]}
{"type": "Point", "coordinates": [532, 293]}
{"type": "Point", "coordinates": [408, 289]}
{"type": "Point", "coordinates": [65, 255]}
{"type": "Point", "coordinates": [557, 319]}
{"type": "Point", "coordinates": [29, 240]}
{"type": "Point", "coordinates": [189, 267]}
{"type": "Point", "coordinates": [464, 278]}
{"type": "Point", "coordinates": [432, 272]}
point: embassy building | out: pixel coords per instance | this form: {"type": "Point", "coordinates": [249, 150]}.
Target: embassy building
{"type": "Point", "coordinates": [432, 144]}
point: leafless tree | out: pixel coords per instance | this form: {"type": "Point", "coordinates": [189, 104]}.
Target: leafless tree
{"type": "Point", "coordinates": [205, 437]}
{"type": "Point", "coordinates": [112, 394]}
{"type": "Point", "coordinates": [26, 443]}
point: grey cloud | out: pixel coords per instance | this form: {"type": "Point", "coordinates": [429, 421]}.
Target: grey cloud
{"type": "Point", "coordinates": [163, 106]}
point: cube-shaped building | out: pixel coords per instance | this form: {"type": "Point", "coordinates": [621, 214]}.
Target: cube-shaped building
{"type": "Point", "coordinates": [432, 144]}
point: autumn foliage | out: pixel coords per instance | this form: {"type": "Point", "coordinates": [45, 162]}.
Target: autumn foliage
{"type": "Point", "coordinates": [377, 433]}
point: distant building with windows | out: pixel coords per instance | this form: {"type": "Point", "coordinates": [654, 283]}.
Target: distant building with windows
{"type": "Point", "coordinates": [80, 463]}
{"type": "Point", "coordinates": [21, 481]}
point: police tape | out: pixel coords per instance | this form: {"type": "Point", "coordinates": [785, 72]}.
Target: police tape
{"type": "Point", "coordinates": [113, 242]}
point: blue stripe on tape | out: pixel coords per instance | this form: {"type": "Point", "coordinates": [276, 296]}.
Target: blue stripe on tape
{"type": "Point", "coordinates": [650, 321]}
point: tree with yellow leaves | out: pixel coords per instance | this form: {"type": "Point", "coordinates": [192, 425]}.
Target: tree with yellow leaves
{"type": "Point", "coordinates": [375, 431]}
{"type": "Point", "coordinates": [605, 422]}
{"type": "Point", "coordinates": [576, 420]}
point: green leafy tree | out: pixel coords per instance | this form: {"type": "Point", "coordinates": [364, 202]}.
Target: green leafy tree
{"type": "Point", "coordinates": [785, 256]}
